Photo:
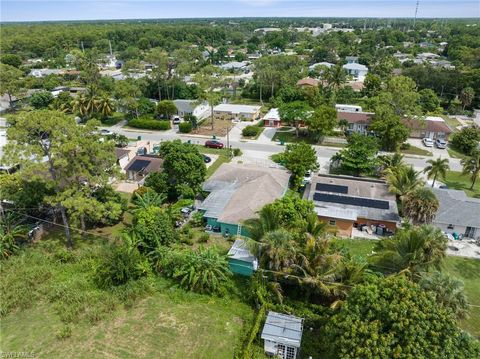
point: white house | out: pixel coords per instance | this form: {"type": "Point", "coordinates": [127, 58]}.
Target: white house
{"type": "Point", "coordinates": [272, 118]}
{"type": "Point", "coordinates": [348, 108]}
{"type": "Point", "coordinates": [232, 111]}
{"type": "Point", "coordinates": [282, 335]}
{"type": "Point", "coordinates": [358, 71]}
{"type": "Point", "coordinates": [324, 63]}
{"type": "Point", "coordinates": [457, 213]}
{"type": "Point", "coordinates": [191, 107]}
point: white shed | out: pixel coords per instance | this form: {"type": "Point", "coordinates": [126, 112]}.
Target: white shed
{"type": "Point", "coordinates": [282, 335]}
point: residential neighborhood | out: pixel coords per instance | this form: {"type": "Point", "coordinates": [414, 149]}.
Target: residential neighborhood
{"type": "Point", "coordinates": [239, 185]}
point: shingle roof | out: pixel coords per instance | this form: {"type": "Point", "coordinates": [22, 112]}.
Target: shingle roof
{"type": "Point", "coordinates": [121, 152]}
{"type": "Point", "coordinates": [457, 208]}
{"type": "Point", "coordinates": [355, 66]}
{"type": "Point", "coordinates": [144, 164]}
{"type": "Point", "coordinates": [307, 81]}
{"type": "Point", "coordinates": [430, 124]}
{"type": "Point", "coordinates": [238, 191]}
{"type": "Point", "coordinates": [283, 328]}
{"type": "Point", "coordinates": [186, 106]}
{"type": "Point", "coordinates": [355, 117]}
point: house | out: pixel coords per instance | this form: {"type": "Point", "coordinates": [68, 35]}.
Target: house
{"type": "Point", "coordinates": [358, 71]}
{"type": "Point", "coordinates": [272, 118]}
{"type": "Point", "coordinates": [235, 66]}
{"type": "Point", "coordinates": [192, 107]}
{"type": "Point", "coordinates": [226, 111]}
{"type": "Point", "coordinates": [140, 166]}
{"type": "Point", "coordinates": [348, 108]}
{"type": "Point", "coordinates": [457, 213]}
{"type": "Point", "coordinates": [352, 202]}
{"type": "Point", "coordinates": [351, 59]}
{"type": "Point", "coordinates": [426, 56]}
{"type": "Point", "coordinates": [237, 192]}
{"type": "Point", "coordinates": [431, 127]}
{"type": "Point", "coordinates": [324, 64]}
{"type": "Point", "coordinates": [358, 121]}
{"type": "Point", "coordinates": [308, 81]}
{"type": "Point", "coordinates": [240, 259]}
{"type": "Point", "coordinates": [282, 335]}
{"type": "Point", "coordinates": [45, 72]}
{"type": "Point", "coordinates": [123, 157]}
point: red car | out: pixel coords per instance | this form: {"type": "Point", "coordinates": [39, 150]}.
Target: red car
{"type": "Point", "coordinates": [213, 144]}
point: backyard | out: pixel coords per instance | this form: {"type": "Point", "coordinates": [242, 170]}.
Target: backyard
{"type": "Point", "coordinates": [455, 180]}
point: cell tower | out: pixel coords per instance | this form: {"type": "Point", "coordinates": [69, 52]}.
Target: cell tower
{"type": "Point", "coordinates": [416, 12]}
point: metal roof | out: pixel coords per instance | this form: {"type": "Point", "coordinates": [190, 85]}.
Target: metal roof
{"type": "Point", "coordinates": [283, 328]}
{"type": "Point", "coordinates": [228, 107]}
{"type": "Point", "coordinates": [240, 252]}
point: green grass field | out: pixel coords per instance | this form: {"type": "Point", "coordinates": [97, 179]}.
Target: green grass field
{"type": "Point", "coordinates": [456, 180]}
{"type": "Point", "coordinates": [413, 150]}
{"type": "Point", "coordinates": [465, 269]}
{"type": "Point", "coordinates": [454, 153]}
{"type": "Point", "coordinates": [51, 307]}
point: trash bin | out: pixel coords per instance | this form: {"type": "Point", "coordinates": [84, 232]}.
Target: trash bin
{"type": "Point", "coordinates": [189, 141]}
{"type": "Point", "coordinates": [282, 142]}
{"type": "Point", "coordinates": [139, 138]}
{"type": "Point", "coordinates": [214, 137]}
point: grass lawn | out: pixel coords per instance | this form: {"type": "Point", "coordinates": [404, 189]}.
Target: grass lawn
{"type": "Point", "coordinates": [413, 150]}
{"type": "Point", "coordinates": [456, 180]}
{"type": "Point", "coordinates": [465, 269]}
{"type": "Point", "coordinates": [289, 137]}
{"type": "Point", "coordinates": [452, 122]}
{"type": "Point", "coordinates": [114, 119]}
{"type": "Point", "coordinates": [454, 153]}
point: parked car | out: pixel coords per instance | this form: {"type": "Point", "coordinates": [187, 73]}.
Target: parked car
{"type": "Point", "coordinates": [441, 143]}
{"type": "Point", "coordinates": [214, 144]}
{"type": "Point", "coordinates": [427, 142]}
{"type": "Point", "coordinates": [106, 132]}
{"type": "Point", "coordinates": [176, 121]}
{"type": "Point", "coordinates": [307, 178]}
{"type": "Point", "coordinates": [206, 159]}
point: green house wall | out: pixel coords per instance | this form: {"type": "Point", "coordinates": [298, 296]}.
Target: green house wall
{"type": "Point", "coordinates": [240, 267]}
{"type": "Point", "coordinates": [232, 228]}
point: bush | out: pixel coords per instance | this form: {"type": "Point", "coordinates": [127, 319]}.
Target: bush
{"type": "Point", "coordinates": [405, 146]}
{"type": "Point", "coordinates": [466, 140]}
{"type": "Point", "coordinates": [251, 131]}
{"type": "Point", "coordinates": [237, 152]}
{"type": "Point", "coordinates": [185, 127]}
{"type": "Point", "coordinates": [197, 219]}
{"type": "Point", "coordinates": [64, 332]}
{"type": "Point", "coordinates": [204, 237]}
{"type": "Point", "coordinates": [119, 266]}
{"type": "Point", "coordinates": [149, 124]}
{"type": "Point", "coordinates": [41, 99]}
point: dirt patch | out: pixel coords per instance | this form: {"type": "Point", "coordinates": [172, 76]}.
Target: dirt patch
{"type": "Point", "coordinates": [220, 127]}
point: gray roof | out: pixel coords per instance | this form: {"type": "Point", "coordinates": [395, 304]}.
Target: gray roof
{"type": "Point", "coordinates": [357, 188]}
{"type": "Point", "coordinates": [233, 108]}
{"type": "Point", "coordinates": [457, 208]}
{"type": "Point", "coordinates": [240, 252]}
{"type": "Point", "coordinates": [283, 328]}
{"type": "Point", "coordinates": [238, 191]}
{"type": "Point", "coordinates": [185, 106]}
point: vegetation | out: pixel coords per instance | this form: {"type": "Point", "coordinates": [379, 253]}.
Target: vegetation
{"type": "Point", "coordinates": [251, 131]}
{"type": "Point", "coordinates": [420, 205]}
{"type": "Point", "coordinates": [149, 124]}
{"type": "Point", "coordinates": [185, 127]}
{"type": "Point", "coordinates": [456, 180]}
{"type": "Point", "coordinates": [359, 157]}
{"type": "Point", "coordinates": [298, 158]}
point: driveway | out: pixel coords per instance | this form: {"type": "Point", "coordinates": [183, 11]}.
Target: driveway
{"type": "Point", "coordinates": [436, 152]}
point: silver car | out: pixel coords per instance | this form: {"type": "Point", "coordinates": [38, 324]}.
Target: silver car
{"type": "Point", "coordinates": [440, 143]}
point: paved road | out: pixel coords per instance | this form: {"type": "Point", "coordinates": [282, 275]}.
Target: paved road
{"type": "Point", "coordinates": [324, 153]}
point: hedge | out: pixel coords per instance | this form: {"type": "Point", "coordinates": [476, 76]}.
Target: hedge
{"type": "Point", "coordinates": [251, 131]}
{"type": "Point", "coordinates": [149, 124]}
{"type": "Point", "coordinates": [185, 127]}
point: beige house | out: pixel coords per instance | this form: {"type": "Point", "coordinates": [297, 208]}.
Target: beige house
{"type": "Point", "coordinates": [226, 111]}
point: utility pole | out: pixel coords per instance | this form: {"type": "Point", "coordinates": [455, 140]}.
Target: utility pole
{"type": "Point", "coordinates": [110, 45]}
{"type": "Point", "coordinates": [83, 49]}
{"type": "Point", "coordinates": [416, 12]}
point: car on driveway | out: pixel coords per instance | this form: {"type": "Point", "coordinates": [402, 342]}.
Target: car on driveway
{"type": "Point", "coordinates": [176, 121]}
{"type": "Point", "coordinates": [106, 132]}
{"type": "Point", "coordinates": [206, 159]}
{"type": "Point", "coordinates": [440, 143]}
{"type": "Point", "coordinates": [427, 142]}
{"type": "Point", "coordinates": [213, 144]}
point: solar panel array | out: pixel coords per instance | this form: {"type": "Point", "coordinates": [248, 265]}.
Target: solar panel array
{"type": "Point", "coordinates": [326, 187]}
{"type": "Point", "coordinates": [352, 201]}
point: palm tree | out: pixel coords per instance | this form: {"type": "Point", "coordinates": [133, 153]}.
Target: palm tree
{"type": "Point", "coordinates": [149, 199]}
{"type": "Point", "coordinates": [313, 227]}
{"type": "Point", "coordinates": [403, 180]}
{"type": "Point", "coordinates": [258, 227]}
{"type": "Point", "coordinates": [411, 250]}
{"type": "Point", "coordinates": [437, 168]}
{"type": "Point", "coordinates": [10, 232]}
{"type": "Point", "coordinates": [105, 106]}
{"type": "Point", "coordinates": [336, 76]}
{"type": "Point", "coordinates": [471, 166]}
{"type": "Point", "coordinates": [276, 251]}
{"type": "Point", "coordinates": [79, 105]}
{"type": "Point", "coordinates": [391, 162]}
{"type": "Point", "coordinates": [448, 292]}
{"type": "Point", "coordinates": [420, 205]}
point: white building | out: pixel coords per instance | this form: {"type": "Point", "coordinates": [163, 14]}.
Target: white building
{"type": "Point", "coordinates": [324, 63]}
{"type": "Point", "coordinates": [192, 107]}
{"type": "Point", "coordinates": [232, 111]}
{"type": "Point", "coordinates": [282, 335]}
{"type": "Point", "coordinates": [348, 108]}
{"type": "Point", "coordinates": [272, 118]}
{"type": "Point", "coordinates": [358, 71]}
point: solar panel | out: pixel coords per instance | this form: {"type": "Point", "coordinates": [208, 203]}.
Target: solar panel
{"type": "Point", "coordinates": [138, 165]}
{"type": "Point", "coordinates": [326, 187]}
{"type": "Point", "coordinates": [352, 201]}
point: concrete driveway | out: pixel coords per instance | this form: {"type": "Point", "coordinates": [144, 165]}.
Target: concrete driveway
{"type": "Point", "coordinates": [436, 152]}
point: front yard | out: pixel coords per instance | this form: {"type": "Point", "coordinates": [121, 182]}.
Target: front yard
{"type": "Point", "coordinates": [455, 180]}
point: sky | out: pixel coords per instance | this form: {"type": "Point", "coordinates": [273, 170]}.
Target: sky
{"type": "Point", "coordinates": [41, 10]}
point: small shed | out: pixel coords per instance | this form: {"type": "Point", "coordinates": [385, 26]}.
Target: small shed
{"type": "Point", "coordinates": [240, 259]}
{"type": "Point", "coordinates": [272, 118]}
{"type": "Point", "coordinates": [282, 335]}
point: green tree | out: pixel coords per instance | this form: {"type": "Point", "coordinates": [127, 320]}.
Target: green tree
{"type": "Point", "coordinates": [336, 76]}
{"type": "Point", "coordinates": [291, 211]}
{"type": "Point", "coordinates": [437, 168]}
{"type": "Point", "coordinates": [373, 84]}
{"type": "Point", "coordinates": [10, 82]}
{"type": "Point", "coordinates": [154, 227]}
{"type": "Point", "coordinates": [389, 128]}
{"type": "Point", "coordinates": [448, 292]}
{"type": "Point", "coordinates": [466, 96]}
{"type": "Point", "coordinates": [105, 106]}
{"type": "Point", "coordinates": [299, 158]}
{"type": "Point", "coordinates": [41, 99]}
{"type": "Point", "coordinates": [276, 250]}
{"type": "Point", "coordinates": [471, 167]}
{"type": "Point", "coordinates": [209, 80]}
{"type": "Point", "coordinates": [165, 109]}
{"type": "Point", "coordinates": [11, 230]}
{"type": "Point", "coordinates": [11, 59]}
{"type": "Point", "coordinates": [466, 140]}
{"type": "Point", "coordinates": [322, 122]}
{"type": "Point", "coordinates": [403, 180]}
{"type": "Point", "coordinates": [394, 318]}
{"type": "Point", "coordinates": [267, 221]}
{"type": "Point", "coordinates": [391, 163]}
{"type": "Point", "coordinates": [77, 162]}
{"type": "Point", "coordinates": [429, 100]}
{"type": "Point", "coordinates": [294, 113]}
{"type": "Point", "coordinates": [359, 157]}
{"type": "Point", "coordinates": [412, 250]}
{"type": "Point", "coordinates": [183, 167]}
{"type": "Point", "coordinates": [420, 205]}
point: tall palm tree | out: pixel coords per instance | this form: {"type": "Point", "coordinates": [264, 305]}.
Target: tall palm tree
{"type": "Point", "coordinates": [79, 105]}
{"type": "Point", "coordinates": [336, 76]}
{"type": "Point", "coordinates": [105, 106]}
{"type": "Point", "coordinates": [411, 250]}
{"type": "Point", "coordinates": [266, 222]}
{"type": "Point", "coordinates": [313, 227]}
{"type": "Point", "coordinates": [437, 168]}
{"type": "Point", "coordinates": [471, 166]}
{"type": "Point", "coordinates": [403, 180]}
{"type": "Point", "coordinates": [420, 205]}
{"type": "Point", "coordinates": [149, 199]}
{"type": "Point", "coordinates": [276, 251]}
{"type": "Point", "coordinates": [391, 162]}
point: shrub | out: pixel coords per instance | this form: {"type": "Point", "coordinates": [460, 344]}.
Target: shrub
{"type": "Point", "coordinates": [237, 152]}
{"type": "Point", "coordinates": [197, 219]}
{"type": "Point", "coordinates": [466, 140]}
{"type": "Point", "coordinates": [41, 99]}
{"type": "Point", "coordinates": [185, 127]}
{"type": "Point", "coordinates": [251, 131]}
{"type": "Point", "coordinates": [64, 332]}
{"type": "Point", "coordinates": [149, 124]}
{"type": "Point", "coordinates": [119, 266]}
{"type": "Point", "coordinates": [204, 237]}
{"type": "Point", "coordinates": [405, 146]}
